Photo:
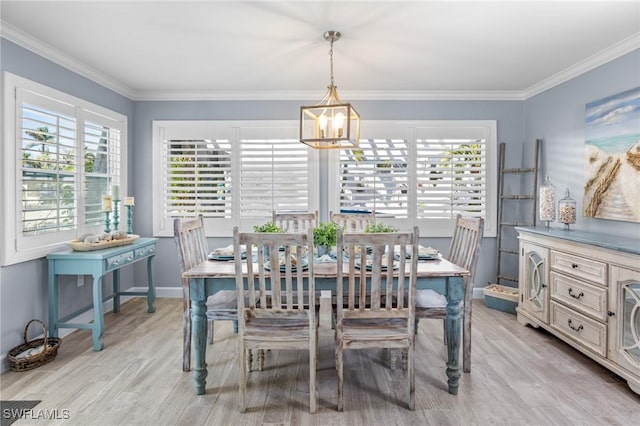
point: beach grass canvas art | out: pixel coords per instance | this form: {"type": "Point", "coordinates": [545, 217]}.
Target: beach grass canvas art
{"type": "Point", "coordinates": [612, 157]}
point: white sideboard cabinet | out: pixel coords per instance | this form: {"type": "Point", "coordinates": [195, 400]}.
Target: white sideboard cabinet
{"type": "Point", "coordinates": [584, 288]}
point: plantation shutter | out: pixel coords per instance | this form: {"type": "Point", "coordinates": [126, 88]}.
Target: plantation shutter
{"type": "Point", "coordinates": [197, 178]}
{"type": "Point", "coordinates": [374, 177]}
{"type": "Point", "coordinates": [102, 155]}
{"type": "Point", "coordinates": [451, 175]}
{"type": "Point", "coordinates": [274, 175]}
{"type": "Point", "coordinates": [47, 132]}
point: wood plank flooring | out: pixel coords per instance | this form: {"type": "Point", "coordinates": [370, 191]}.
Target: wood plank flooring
{"type": "Point", "coordinates": [519, 376]}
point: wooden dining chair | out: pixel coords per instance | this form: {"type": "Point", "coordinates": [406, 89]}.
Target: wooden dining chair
{"type": "Point", "coordinates": [355, 222]}
{"type": "Point", "coordinates": [295, 222]}
{"type": "Point", "coordinates": [279, 307]}
{"type": "Point", "coordinates": [192, 249]}
{"type": "Point", "coordinates": [464, 251]}
{"type": "Point", "coordinates": [374, 313]}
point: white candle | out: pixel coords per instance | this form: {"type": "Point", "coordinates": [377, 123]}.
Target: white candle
{"type": "Point", "coordinates": [128, 201]}
{"type": "Point", "coordinates": [106, 203]}
{"type": "Point", "coordinates": [115, 192]}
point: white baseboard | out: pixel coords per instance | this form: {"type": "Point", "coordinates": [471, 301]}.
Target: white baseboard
{"type": "Point", "coordinates": [478, 293]}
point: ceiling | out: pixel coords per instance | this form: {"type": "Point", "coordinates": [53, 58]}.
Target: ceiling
{"type": "Point", "coordinates": [275, 49]}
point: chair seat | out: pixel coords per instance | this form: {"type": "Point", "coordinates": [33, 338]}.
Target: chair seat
{"type": "Point", "coordinates": [386, 332]}
{"type": "Point", "coordinates": [278, 334]}
{"type": "Point", "coordinates": [223, 305]}
{"type": "Point", "coordinates": [430, 299]}
{"type": "Point", "coordinates": [286, 326]}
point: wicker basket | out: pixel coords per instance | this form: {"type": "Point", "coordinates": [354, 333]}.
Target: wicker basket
{"type": "Point", "coordinates": [29, 362]}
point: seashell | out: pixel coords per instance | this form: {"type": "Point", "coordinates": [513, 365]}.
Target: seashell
{"type": "Point", "coordinates": [91, 239]}
{"type": "Point", "coordinates": [105, 237]}
{"type": "Point", "coordinates": [84, 236]}
{"type": "Point", "coordinates": [119, 235]}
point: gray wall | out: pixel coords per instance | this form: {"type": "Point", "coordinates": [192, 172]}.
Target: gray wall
{"type": "Point", "coordinates": [558, 117]}
{"type": "Point", "coordinates": [23, 287]}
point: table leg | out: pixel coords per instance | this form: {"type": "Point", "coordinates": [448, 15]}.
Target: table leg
{"type": "Point", "coordinates": [151, 291]}
{"type": "Point", "coordinates": [98, 314]}
{"type": "Point", "coordinates": [53, 301]}
{"type": "Point", "coordinates": [116, 291]}
{"type": "Point", "coordinates": [455, 292]}
{"type": "Point", "coordinates": [199, 332]}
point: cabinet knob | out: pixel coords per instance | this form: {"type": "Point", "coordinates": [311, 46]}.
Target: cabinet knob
{"type": "Point", "coordinates": [574, 265]}
{"type": "Point", "coordinates": [611, 314]}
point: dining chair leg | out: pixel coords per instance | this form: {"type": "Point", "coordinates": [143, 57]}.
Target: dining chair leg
{"type": "Point", "coordinates": [260, 359]}
{"type": "Point", "coordinates": [444, 332]}
{"type": "Point", "coordinates": [210, 332]}
{"type": "Point", "coordinates": [340, 368]}
{"type": "Point", "coordinates": [313, 387]}
{"type": "Point", "coordinates": [466, 339]}
{"type": "Point", "coordinates": [186, 339]}
{"type": "Point", "coordinates": [411, 371]}
{"type": "Point", "coordinates": [242, 377]}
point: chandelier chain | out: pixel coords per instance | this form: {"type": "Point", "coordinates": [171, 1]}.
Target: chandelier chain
{"type": "Point", "coordinates": [331, 59]}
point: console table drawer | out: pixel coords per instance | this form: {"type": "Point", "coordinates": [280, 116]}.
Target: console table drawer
{"type": "Point", "coordinates": [586, 298]}
{"type": "Point", "coordinates": [145, 251]}
{"type": "Point", "coordinates": [117, 261]}
{"type": "Point", "coordinates": [586, 331]}
{"type": "Point", "coordinates": [579, 267]}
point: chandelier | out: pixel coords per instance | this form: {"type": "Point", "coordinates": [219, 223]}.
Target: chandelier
{"type": "Point", "coordinates": [331, 123]}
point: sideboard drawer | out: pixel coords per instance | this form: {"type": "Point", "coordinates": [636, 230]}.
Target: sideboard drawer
{"type": "Point", "coordinates": [145, 251]}
{"type": "Point", "coordinates": [586, 298]}
{"type": "Point", "coordinates": [579, 267]}
{"type": "Point", "coordinates": [119, 260]}
{"type": "Point", "coordinates": [586, 331]}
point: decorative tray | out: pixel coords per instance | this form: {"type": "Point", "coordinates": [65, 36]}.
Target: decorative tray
{"type": "Point", "coordinates": [77, 245]}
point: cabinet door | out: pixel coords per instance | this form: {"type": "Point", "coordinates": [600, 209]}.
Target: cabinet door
{"type": "Point", "coordinates": [624, 318]}
{"type": "Point", "coordinates": [534, 277]}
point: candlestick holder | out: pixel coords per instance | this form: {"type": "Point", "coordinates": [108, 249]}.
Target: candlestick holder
{"type": "Point", "coordinates": [116, 215]}
{"type": "Point", "coordinates": [107, 222]}
{"type": "Point", "coordinates": [129, 219]}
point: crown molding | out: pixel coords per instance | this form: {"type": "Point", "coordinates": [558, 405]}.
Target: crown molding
{"type": "Point", "coordinates": [609, 54]}
{"type": "Point", "coordinates": [311, 95]}
{"type": "Point", "coordinates": [47, 51]}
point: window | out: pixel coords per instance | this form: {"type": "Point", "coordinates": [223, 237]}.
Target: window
{"type": "Point", "coordinates": [62, 155]}
{"type": "Point", "coordinates": [421, 173]}
{"type": "Point", "coordinates": [233, 173]}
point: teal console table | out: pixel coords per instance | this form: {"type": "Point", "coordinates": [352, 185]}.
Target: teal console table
{"type": "Point", "coordinates": [97, 264]}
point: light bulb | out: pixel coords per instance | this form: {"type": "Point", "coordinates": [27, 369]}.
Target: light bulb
{"type": "Point", "coordinates": [338, 123]}
{"type": "Point", "coordinates": [322, 124]}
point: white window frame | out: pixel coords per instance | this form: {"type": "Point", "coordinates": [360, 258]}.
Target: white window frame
{"type": "Point", "coordinates": [411, 131]}
{"type": "Point", "coordinates": [234, 130]}
{"type": "Point", "coordinates": [15, 247]}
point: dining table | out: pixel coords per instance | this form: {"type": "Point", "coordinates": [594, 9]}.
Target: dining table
{"type": "Point", "coordinates": [210, 276]}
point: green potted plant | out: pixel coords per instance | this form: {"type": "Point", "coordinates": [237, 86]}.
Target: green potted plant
{"type": "Point", "coordinates": [267, 227]}
{"type": "Point", "coordinates": [374, 227]}
{"type": "Point", "coordinates": [325, 236]}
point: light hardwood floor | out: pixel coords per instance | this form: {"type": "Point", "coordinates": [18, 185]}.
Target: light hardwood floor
{"type": "Point", "coordinates": [520, 376]}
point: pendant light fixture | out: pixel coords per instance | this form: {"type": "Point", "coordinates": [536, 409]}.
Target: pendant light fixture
{"type": "Point", "coordinates": [330, 124]}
